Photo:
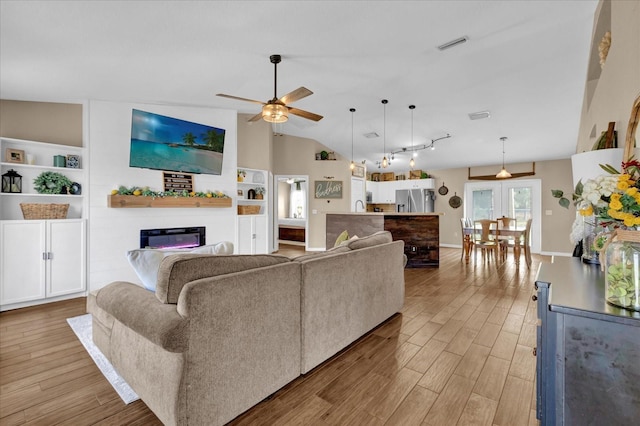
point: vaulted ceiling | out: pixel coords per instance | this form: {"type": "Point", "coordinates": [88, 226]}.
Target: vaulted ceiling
{"type": "Point", "coordinates": [524, 61]}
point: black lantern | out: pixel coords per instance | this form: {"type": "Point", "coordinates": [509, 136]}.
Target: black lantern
{"type": "Point", "coordinates": [12, 182]}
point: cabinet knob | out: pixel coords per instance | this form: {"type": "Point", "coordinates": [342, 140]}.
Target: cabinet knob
{"type": "Point", "coordinates": [535, 351]}
{"type": "Point", "coordinates": [534, 297]}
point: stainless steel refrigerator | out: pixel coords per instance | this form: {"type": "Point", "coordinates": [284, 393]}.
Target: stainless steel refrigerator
{"type": "Point", "coordinates": [414, 200]}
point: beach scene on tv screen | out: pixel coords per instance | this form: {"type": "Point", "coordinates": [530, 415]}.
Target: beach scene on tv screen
{"type": "Point", "coordinates": [167, 143]}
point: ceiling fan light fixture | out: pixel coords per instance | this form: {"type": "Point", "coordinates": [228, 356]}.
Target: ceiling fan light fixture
{"type": "Point", "coordinates": [275, 113]}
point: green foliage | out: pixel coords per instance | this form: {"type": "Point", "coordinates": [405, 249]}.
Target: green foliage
{"type": "Point", "coordinates": [564, 201]}
{"type": "Point", "coordinates": [51, 183]}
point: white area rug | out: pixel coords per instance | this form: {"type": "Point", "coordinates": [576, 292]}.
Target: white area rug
{"type": "Point", "coordinates": [81, 325]}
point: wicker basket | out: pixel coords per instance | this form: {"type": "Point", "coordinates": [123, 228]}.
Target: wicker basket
{"type": "Point", "coordinates": [242, 209]}
{"type": "Point", "coordinates": [44, 211]}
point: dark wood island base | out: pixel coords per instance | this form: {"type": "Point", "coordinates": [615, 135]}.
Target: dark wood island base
{"type": "Point", "coordinates": [419, 231]}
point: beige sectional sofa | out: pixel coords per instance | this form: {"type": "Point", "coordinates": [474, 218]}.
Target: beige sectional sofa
{"type": "Point", "coordinates": [221, 333]}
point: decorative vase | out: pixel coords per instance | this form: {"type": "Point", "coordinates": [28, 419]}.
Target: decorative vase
{"type": "Point", "coordinates": [590, 249]}
{"type": "Point", "coordinates": [622, 269]}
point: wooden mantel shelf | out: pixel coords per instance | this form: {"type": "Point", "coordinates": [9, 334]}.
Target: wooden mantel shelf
{"type": "Point", "coordinates": [133, 201]}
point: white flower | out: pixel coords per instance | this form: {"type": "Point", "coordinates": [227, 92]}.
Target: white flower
{"type": "Point", "coordinates": [577, 230]}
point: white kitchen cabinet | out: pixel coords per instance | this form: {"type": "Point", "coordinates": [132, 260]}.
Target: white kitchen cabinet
{"type": "Point", "coordinates": [252, 234]}
{"type": "Point", "coordinates": [382, 192]}
{"type": "Point", "coordinates": [41, 260]}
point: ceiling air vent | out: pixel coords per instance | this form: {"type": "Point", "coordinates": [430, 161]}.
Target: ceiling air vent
{"type": "Point", "coordinates": [453, 43]}
{"type": "Point", "coordinates": [479, 115]}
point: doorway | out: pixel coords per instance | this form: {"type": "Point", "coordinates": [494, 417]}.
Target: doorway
{"type": "Point", "coordinates": [520, 199]}
{"type": "Point", "coordinates": [291, 219]}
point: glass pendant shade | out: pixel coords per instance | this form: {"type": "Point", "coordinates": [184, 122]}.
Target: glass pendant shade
{"type": "Point", "coordinates": [412, 163]}
{"type": "Point", "coordinates": [275, 113]}
{"type": "Point", "coordinates": [352, 165]}
{"type": "Point", "coordinates": [503, 174]}
{"type": "Point", "coordinates": [385, 162]}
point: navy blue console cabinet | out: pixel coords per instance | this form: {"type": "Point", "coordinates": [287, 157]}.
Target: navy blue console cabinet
{"type": "Point", "coordinates": [588, 352]}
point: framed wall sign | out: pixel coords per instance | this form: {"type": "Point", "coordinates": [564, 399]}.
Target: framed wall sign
{"type": "Point", "coordinates": [177, 181]}
{"type": "Point", "coordinates": [358, 171]}
{"type": "Point", "coordinates": [328, 189]}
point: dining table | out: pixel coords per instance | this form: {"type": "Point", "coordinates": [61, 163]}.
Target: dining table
{"type": "Point", "coordinates": [517, 232]}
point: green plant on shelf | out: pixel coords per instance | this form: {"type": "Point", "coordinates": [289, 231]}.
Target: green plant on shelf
{"type": "Point", "coordinates": [52, 183]}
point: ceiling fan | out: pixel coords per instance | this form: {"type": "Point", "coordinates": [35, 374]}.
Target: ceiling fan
{"type": "Point", "coordinates": [276, 110]}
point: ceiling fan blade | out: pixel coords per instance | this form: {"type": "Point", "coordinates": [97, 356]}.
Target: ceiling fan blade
{"type": "Point", "coordinates": [240, 99]}
{"type": "Point", "coordinates": [305, 114]}
{"type": "Point", "coordinates": [296, 95]}
{"type": "Point", "coordinates": [255, 117]}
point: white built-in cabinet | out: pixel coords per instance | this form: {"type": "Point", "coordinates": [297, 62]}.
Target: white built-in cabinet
{"type": "Point", "coordinates": [254, 232]}
{"type": "Point", "coordinates": [41, 260]}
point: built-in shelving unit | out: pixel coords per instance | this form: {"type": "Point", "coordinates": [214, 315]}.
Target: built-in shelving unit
{"type": "Point", "coordinates": [253, 213]}
{"type": "Point", "coordinates": [41, 260]}
{"type": "Point", "coordinates": [37, 157]}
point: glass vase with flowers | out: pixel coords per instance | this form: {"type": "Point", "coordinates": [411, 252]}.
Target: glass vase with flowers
{"type": "Point", "coordinates": [614, 201]}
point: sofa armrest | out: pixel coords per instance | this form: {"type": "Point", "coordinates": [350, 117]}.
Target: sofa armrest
{"type": "Point", "coordinates": [142, 312]}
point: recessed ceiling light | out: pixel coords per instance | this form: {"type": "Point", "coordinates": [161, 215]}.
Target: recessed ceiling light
{"type": "Point", "coordinates": [479, 115]}
{"type": "Point", "coordinates": [371, 135]}
{"type": "Point", "coordinates": [453, 43]}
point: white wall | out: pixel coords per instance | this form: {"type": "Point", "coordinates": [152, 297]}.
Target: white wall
{"type": "Point", "coordinates": [114, 231]}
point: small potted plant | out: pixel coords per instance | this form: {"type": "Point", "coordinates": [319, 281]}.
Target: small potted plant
{"type": "Point", "coordinates": [241, 175]}
{"type": "Point", "coordinates": [259, 192]}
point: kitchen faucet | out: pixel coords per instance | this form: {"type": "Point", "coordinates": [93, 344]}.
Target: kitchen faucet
{"type": "Point", "coordinates": [361, 202]}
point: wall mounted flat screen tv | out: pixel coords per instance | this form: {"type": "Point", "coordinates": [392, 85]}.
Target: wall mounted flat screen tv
{"type": "Point", "coordinates": [166, 143]}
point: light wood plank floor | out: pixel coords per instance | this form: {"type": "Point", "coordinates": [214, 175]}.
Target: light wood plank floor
{"type": "Point", "coordinates": [459, 353]}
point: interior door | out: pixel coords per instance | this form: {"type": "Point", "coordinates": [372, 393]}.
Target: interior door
{"type": "Point", "coordinates": [520, 199]}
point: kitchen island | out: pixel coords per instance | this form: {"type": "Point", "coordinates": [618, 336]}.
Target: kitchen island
{"type": "Point", "coordinates": [419, 231]}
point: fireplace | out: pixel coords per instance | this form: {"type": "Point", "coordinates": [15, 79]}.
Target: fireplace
{"type": "Point", "coordinates": [172, 237]}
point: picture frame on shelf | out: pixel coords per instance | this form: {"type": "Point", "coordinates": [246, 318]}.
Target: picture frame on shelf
{"type": "Point", "coordinates": [73, 161]}
{"type": "Point", "coordinates": [14, 156]}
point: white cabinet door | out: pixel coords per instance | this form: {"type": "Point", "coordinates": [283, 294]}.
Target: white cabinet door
{"type": "Point", "coordinates": [252, 234]}
{"type": "Point", "coordinates": [22, 264]}
{"type": "Point", "coordinates": [260, 235]}
{"type": "Point", "coordinates": [66, 265]}
{"type": "Point", "coordinates": [245, 234]}
{"type": "Point", "coordinates": [387, 192]}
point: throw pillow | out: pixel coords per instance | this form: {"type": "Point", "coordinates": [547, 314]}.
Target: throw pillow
{"type": "Point", "coordinates": [146, 262]}
{"type": "Point", "coordinates": [344, 236]}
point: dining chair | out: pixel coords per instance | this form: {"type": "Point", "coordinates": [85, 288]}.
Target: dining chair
{"type": "Point", "coordinates": [465, 222]}
{"type": "Point", "coordinates": [505, 240]}
{"type": "Point", "coordinates": [486, 235]}
{"type": "Point", "coordinates": [525, 243]}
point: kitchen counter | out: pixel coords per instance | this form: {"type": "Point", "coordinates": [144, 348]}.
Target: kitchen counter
{"type": "Point", "coordinates": [389, 214]}
{"type": "Point", "coordinates": [419, 231]}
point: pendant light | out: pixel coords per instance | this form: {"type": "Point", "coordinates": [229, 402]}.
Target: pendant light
{"type": "Point", "coordinates": [385, 162]}
{"type": "Point", "coordinates": [503, 174]}
{"type": "Point", "coordinates": [412, 162]}
{"type": "Point", "coordinates": [352, 165]}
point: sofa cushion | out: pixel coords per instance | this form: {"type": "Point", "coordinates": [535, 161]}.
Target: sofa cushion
{"type": "Point", "coordinates": [380, 237]}
{"type": "Point", "coordinates": [334, 250]}
{"type": "Point", "coordinates": [179, 269]}
{"type": "Point", "coordinates": [146, 262]}
{"type": "Point", "coordinates": [344, 236]}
